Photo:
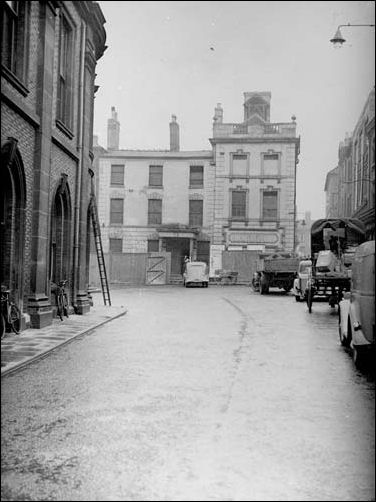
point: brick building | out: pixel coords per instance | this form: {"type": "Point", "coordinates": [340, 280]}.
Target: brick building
{"type": "Point", "coordinates": [353, 186]}
{"type": "Point", "coordinates": [48, 60]}
{"type": "Point", "coordinates": [237, 196]}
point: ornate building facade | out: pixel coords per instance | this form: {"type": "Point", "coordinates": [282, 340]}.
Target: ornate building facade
{"type": "Point", "coordinates": [48, 61]}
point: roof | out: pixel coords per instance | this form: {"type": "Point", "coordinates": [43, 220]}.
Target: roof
{"type": "Point", "coordinates": [352, 224]}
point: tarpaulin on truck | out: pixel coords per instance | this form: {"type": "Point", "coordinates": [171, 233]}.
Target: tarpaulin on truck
{"type": "Point", "coordinates": [354, 232]}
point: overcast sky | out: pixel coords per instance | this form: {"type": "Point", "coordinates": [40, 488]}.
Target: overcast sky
{"type": "Point", "coordinates": [159, 62]}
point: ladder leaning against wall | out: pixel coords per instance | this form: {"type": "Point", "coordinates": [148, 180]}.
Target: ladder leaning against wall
{"type": "Point", "coordinates": [99, 250]}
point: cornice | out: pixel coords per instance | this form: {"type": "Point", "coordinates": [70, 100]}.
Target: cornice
{"type": "Point", "coordinates": [92, 14]}
{"type": "Point", "coordinates": [261, 139]}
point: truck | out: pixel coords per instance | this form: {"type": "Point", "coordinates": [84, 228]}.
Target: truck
{"type": "Point", "coordinates": [275, 270]}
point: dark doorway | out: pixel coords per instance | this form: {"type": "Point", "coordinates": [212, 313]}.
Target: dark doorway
{"type": "Point", "coordinates": [12, 220]}
{"type": "Point", "coordinates": [178, 247]}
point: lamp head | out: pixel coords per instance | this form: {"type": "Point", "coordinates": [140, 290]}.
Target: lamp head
{"type": "Point", "coordinates": [338, 39]}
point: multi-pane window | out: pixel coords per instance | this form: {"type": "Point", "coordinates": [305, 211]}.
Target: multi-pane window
{"type": "Point", "coordinates": [239, 164]}
{"type": "Point", "coordinates": [270, 205]}
{"type": "Point", "coordinates": [64, 93]}
{"type": "Point", "coordinates": [155, 176]}
{"type": "Point", "coordinates": [117, 174]}
{"type": "Point", "coordinates": [116, 245]}
{"type": "Point", "coordinates": [270, 164]}
{"type": "Point", "coordinates": [238, 204]}
{"type": "Point", "coordinates": [15, 28]}
{"type": "Point", "coordinates": [116, 210]}
{"type": "Point", "coordinates": [155, 211]}
{"type": "Point", "coordinates": [196, 176]}
{"type": "Point", "coordinates": [196, 213]}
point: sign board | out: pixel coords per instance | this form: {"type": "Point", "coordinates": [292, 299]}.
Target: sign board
{"type": "Point", "coordinates": [215, 258]}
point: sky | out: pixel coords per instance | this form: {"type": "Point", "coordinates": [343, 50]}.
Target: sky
{"type": "Point", "coordinates": [183, 57]}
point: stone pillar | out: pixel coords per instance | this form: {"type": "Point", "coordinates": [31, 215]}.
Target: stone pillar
{"type": "Point", "coordinates": [82, 299]}
{"type": "Point", "coordinates": [39, 305]}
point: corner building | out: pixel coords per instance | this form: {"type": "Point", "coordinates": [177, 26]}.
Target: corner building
{"type": "Point", "coordinates": [49, 55]}
{"type": "Point", "coordinates": [255, 179]}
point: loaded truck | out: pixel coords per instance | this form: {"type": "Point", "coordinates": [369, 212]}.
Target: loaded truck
{"type": "Point", "coordinates": [277, 270]}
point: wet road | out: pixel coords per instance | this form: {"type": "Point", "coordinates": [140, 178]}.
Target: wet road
{"type": "Point", "coordinates": [196, 394]}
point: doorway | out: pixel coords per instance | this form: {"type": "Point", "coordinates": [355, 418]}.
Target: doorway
{"type": "Point", "coordinates": [178, 247]}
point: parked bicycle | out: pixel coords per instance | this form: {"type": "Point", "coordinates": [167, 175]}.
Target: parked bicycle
{"type": "Point", "coordinates": [61, 299]}
{"type": "Point", "coordinates": [10, 313]}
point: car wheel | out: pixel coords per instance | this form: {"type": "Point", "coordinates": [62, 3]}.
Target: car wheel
{"type": "Point", "coordinates": [345, 342]}
{"type": "Point", "coordinates": [344, 339]}
{"type": "Point", "coordinates": [359, 357]}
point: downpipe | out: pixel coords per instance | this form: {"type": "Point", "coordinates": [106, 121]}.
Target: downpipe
{"type": "Point", "coordinates": [77, 207]}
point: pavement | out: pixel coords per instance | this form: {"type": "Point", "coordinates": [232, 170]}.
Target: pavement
{"type": "Point", "coordinates": [32, 344]}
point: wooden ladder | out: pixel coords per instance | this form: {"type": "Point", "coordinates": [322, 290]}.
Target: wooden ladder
{"type": "Point", "coordinates": [99, 249]}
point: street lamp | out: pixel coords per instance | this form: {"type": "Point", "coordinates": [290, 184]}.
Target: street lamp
{"type": "Point", "coordinates": [338, 39]}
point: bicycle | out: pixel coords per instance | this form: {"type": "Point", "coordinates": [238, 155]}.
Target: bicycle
{"type": "Point", "coordinates": [10, 313]}
{"type": "Point", "coordinates": [61, 300]}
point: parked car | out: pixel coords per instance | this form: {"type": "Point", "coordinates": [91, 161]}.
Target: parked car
{"type": "Point", "coordinates": [357, 309]}
{"type": "Point", "coordinates": [299, 288]}
{"type": "Point", "coordinates": [196, 272]}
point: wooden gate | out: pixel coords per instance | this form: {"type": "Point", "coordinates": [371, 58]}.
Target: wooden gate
{"type": "Point", "coordinates": [243, 262]}
{"type": "Point", "coordinates": [156, 268]}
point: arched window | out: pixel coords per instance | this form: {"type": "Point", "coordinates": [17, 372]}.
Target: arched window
{"type": "Point", "coordinates": [61, 246]}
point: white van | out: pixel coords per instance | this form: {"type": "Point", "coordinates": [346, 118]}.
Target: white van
{"type": "Point", "coordinates": [357, 309]}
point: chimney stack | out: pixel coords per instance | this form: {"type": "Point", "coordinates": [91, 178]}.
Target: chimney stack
{"type": "Point", "coordinates": [174, 135]}
{"type": "Point", "coordinates": [218, 114]}
{"type": "Point", "coordinates": [113, 130]}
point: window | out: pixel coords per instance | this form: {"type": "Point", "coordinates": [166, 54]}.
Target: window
{"type": "Point", "coordinates": [153, 246]}
{"type": "Point", "coordinates": [196, 176]}
{"type": "Point", "coordinates": [155, 176]}
{"type": "Point", "coordinates": [64, 93]}
{"type": "Point", "coordinates": [270, 164]}
{"type": "Point", "coordinates": [238, 204]}
{"type": "Point", "coordinates": [270, 205]}
{"type": "Point", "coordinates": [117, 175]}
{"type": "Point", "coordinates": [116, 245]}
{"type": "Point", "coordinates": [116, 210]}
{"type": "Point", "coordinates": [239, 165]}
{"type": "Point", "coordinates": [15, 31]}
{"type": "Point", "coordinates": [195, 213]}
{"type": "Point", "coordinates": [155, 212]}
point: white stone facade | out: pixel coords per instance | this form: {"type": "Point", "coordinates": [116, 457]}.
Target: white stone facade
{"type": "Point", "coordinates": [175, 194]}
{"type": "Point", "coordinates": [254, 157]}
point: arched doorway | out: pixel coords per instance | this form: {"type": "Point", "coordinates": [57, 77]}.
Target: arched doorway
{"type": "Point", "coordinates": [12, 220]}
{"type": "Point", "coordinates": [60, 241]}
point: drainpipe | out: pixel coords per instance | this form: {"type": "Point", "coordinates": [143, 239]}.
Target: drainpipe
{"type": "Point", "coordinates": [77, 206]}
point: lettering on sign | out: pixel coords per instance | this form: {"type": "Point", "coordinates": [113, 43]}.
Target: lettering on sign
{"type": "Point", "coordinates": [254, 237]}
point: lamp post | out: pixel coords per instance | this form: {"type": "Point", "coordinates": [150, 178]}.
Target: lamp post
{"type": "Point", "coordinates": [338, 39]}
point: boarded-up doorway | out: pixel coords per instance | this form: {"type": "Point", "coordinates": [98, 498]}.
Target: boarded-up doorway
{"type": "Point", "coordinates": [156, 269]}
